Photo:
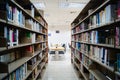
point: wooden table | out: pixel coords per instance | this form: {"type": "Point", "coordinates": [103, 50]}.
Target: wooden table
{"type": "Point", "coordinates": [56, 49]}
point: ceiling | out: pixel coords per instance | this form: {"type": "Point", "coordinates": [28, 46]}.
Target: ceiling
{"type": "Point", "coordinates": [55, 15]}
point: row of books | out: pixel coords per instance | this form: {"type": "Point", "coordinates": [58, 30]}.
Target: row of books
{"type": "Point", "coordinates": [38, 47]}
{"type": "Point", "coordinates": [15, 15]}
{"type": "Point", "coordinates": [100, 37]}
{"type": "Point", "coordinates": [41, 21]}
{"type": "Point", "coordinates": [44, 45]}
{"type": "Point", "coordinates": [33, 74]}
{"type": "Point", "coordinates": [104, 55]}
{"type": "Point", "coordinates": [39, 38]}
{"type": "Point", "coordinates": [85, 48]}
{"type": "Point", "coordinates": [78, 45]}
{"type": "Point", "coordinates": [81, 27]}
{"type": "Point", "coordinates": [18, 74]}
{"type": "Point", "coordinates": [11, 35]}
{"type": "Point", "coordinates": [110, 13]}
{"type": "Point", "coordinates": [31, 63]}
{"type": "Point", "coordinates": [27, 37]}
{"type": "Point", "coordinates": [106, 15]}
{"type": "Point", "coordinates": [29, 50]}
{"type": "Point", "coordinates": [84, 59]}
{"type": "Point", "coordinates": [17, 54]}
{"type": "Point", "coordinates": [89, 63]}
{"type": "Point", "coordinates": [40, 56]}
{"type": "Point", "coordinates": [29, 23]}
{"type": "Point", "coordinates": [31, 11]}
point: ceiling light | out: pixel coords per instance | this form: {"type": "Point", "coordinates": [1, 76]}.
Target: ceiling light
{"type": "Point", "coordinates": [71, 5]}
{"type": "Point", "coordinates": [39, 5]}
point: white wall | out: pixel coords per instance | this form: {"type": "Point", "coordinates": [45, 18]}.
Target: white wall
{"type": "Point", "coordinates": [64, 37]}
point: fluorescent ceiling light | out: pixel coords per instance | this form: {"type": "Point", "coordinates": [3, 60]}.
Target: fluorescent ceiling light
{"type": "Point", "coordinates": [71, 5]}
{"type": "Point", "coordinates": [39, 5]}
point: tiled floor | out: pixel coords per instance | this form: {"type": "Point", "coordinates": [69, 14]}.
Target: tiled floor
{"type": "Point", "coordinates": [60, 69]}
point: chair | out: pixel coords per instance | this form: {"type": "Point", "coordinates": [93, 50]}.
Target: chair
{"type": "Point", "coordinates": [61, 52]}
{"type": "Point", "coordinates": [52, 52]}
{"type": "Point", "coordinates": [64, 47]}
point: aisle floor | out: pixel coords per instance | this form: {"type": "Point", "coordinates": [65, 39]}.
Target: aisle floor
{"type": "Point", "coordinates": [60, 69]}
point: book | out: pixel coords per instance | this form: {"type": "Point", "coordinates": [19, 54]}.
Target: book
{"type": "Point", "coordinates": [29, 23]}
{"type": "Point", "coordinates": [98, 19]}
{"type": "Point", "coordinates": [31, 63]}
{"type": "Point", "coordinates": [110, 13]}
{"type": "Point", "coordinates": [33, 37]}
{"type": "Point", "coordinates": [9, 12]}
{"type": "Point", "coordinates": [118, 9]}
{"type": "Point", "coordinates": [118, 62]}
{"type": "Point", "coordinates": [117, 37]}
{"type": "Point", "coordinates": [29, 50]}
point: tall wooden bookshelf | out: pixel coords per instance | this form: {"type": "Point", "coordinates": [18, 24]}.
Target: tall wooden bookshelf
{"type": "Point", "coordinates": [95, 44]}
{"type": "Point", "coordinates": [23, 41]}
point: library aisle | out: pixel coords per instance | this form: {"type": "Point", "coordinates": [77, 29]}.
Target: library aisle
{"type": "Point", "coordinates": [61, 69]}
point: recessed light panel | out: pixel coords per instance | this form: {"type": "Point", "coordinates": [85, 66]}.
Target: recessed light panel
{"type": "Point", "coordinates": [71, 5]}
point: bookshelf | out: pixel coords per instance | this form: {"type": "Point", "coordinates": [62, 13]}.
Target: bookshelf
{"type": "Point", "coordinates": [24, 41]}
{"type": "Point", "coordinates": [95, 42]}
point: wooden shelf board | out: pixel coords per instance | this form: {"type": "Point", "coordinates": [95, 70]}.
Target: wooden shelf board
{"type": "Point", "coordinates": [77, 58]}
{"type": "Point", "coordinates": [16, 64]}
{"type": "Point", "coordinates": [43, 64]}
{"type": "Point", "coordinates": [24, 28]}
{"type": "Point", "coordinates": [104, 65]}
{"type": "Point", "coordinates": [18, 46]}
{"type": "Point", "coordinates": [103, 45]}
{"type": "Point", "coordinates": [97, 27]}
{"type": "Point", "coordinates": [2, 75]}
{"type": "Point", "coordinates": [84, 53]}
{"type": "Point", "coordinates": [117, 73]}
{"type": "Point", "coordinates": [85, 66]}
{"type": "Point", "coordinates": [98, 75]}
{"type": "Point", "coordinates": [2, 21]}
{"type": "Point", "coordinates": [77, 65]}
{"type": "Point", "coordinates": [28, 73]}
{"type": "Point", "coordinates": [41, 73]}
{"type": "Point", "coordinates": [37, 74]}
{"type": "Point", "coordinates": [118, 47]}
{"type": "Point", "coordinates": [85, 75]}
{"type": "Point", "coordinates": [2, 49]}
